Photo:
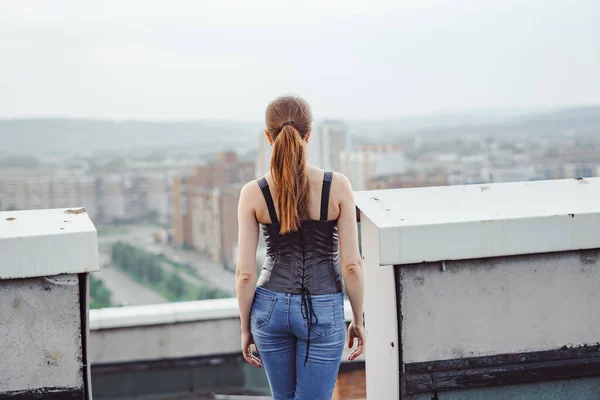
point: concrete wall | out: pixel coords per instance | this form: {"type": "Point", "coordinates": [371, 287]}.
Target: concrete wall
{"type": "Point", "coordinates": [500, 305]}
{"type": "Point", "coordinates": [486, 283]}
{"type": "Point", "coordinates": [168, 331]}
{"type": "Point", "coordinates": [581, 389]}
{"type": "Point", "coordinates": [198, 379]}
{"type": "Point", "coordinates": [158, 342]}
{"type": "Point", "coordinates": [174, 348]}
{"type": "Point", "coordinates": [41, 336]}
{"type": "Point", "coordinates": [164, 341]}
{"type": "Point", "coordinates": [45, 257]}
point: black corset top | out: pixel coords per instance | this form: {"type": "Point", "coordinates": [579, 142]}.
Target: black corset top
{"type": "Point", "coordinates": [306, 259]}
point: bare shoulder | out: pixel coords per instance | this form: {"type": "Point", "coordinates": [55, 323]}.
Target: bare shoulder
{"type": "Point", "coordinates": [341, 183]}
{"type": "Point", "coordinates": [250, 192]}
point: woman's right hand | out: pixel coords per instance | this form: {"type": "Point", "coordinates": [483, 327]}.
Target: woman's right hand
{"type": "Point", "coordinates": [356, 331]}
{"type": "Point", "coordinates": [247, 342]}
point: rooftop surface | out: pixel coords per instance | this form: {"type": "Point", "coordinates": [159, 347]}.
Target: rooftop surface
{"type": "Point", "coordinates": [47, 242]}
{"type": "Point", "coordinates": [475, 221]}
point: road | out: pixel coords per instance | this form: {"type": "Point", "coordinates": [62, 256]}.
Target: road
{"type": "Point", "coordinates": [127, 291]}
{"type": "Point", "coordinates": [205, 268]}
{"type": "Point", "coordinates": [209, 270]}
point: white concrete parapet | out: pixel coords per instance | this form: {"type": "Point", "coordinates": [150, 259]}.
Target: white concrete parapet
{"type": "Point", "coordinates": [168, 331]}
{"type": "Point", "coordinates": [477, 287]}
{"type": "Point", "coordinates": [45, 256]}
{"type": "Point", "coordinates": [163, 314]}
{"type": "Point", "coordinates": [47, 242]}
{"type": "Point", "coordinates": [475, 221]}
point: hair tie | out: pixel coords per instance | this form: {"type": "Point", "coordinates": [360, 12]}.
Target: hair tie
{"type": "Point", "coordinates": [291, 123]}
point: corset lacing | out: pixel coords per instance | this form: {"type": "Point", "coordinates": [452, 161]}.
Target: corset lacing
{"type": "Point", "coordinates": [307, 309]}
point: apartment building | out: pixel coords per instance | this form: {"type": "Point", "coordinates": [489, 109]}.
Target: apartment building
{"type": "Point", "coordinates": [367, 162]}
{"type": "Point", "coordinates": [20, 191]}
{"type": "Point", "coordinates": [408, 180]}
{"type": "Point", "coordinates": [214, 227]}
{"type": "Point", "coordinates": [158, 194]}
{"type": "Point", "coordinates": [329, 138]}
{"type": "Point", "coordinates": [204, 207]}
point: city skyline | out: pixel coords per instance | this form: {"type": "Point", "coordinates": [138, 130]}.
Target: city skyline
{"type": "Point", "coordinates": [84, 137]}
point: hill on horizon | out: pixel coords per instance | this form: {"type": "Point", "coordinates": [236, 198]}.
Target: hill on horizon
{"type": "Point", "coordinates": [33, 136]}
{"type": "Point", "coordinates": [552, 122]}
{"type": "Point", "coordinates": [40, 135]}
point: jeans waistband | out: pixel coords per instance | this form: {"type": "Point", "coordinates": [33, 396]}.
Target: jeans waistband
{"type": "Point", "coordinates": [317, 297]}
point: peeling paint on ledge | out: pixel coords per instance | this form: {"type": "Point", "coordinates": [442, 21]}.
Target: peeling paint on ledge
{"type": "Point", "coordinates": [75, 211]}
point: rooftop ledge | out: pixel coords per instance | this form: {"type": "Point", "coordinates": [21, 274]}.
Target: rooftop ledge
{"type": "Point", "coordinates": [171, 313]}
{"type": "Point", "coordinates": [47, 242]}
{"type": "Point", "coordinates": [477, 221]}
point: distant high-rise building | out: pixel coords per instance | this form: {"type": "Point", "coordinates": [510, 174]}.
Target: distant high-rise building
{"type": "Point", "coordinates": [329, 138]}
{"type": "Point", "coordinates": [158, 194]}
{"type": "Point", "coordinates": [408, 180]}
{"type": "Point", "coordinates": [263, 156]}
{"type": "Point", "coordinates": [508, 173]}
{"type": "Point", "coordinates": [121, 197]}
{"type": "Point", "coordinates": [356, 166]}
{"type": "Point", "coordinates": [112, 193]}
{"type": "Point", "coordinates": [204, 208]}
{"type": "Point", "coordinates": [214, 222]}
{"type": "Point", "coordinates": [22, 191]}
{"type": "Point", "coordinates": [65, 191]}
{"type": "Point", "coordinates": [89, 195]}
{"type": "Point", "coordinates": [367, 162]}
{"type": "Point", "coordinates": [580, 169]}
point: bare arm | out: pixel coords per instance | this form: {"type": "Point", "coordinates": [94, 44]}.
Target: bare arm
{"type": "Point", "coordinates": [349, 252]}
{"type": "Point", "coordinates": [246, 260]}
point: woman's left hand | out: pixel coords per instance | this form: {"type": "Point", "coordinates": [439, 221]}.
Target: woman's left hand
{"type": "Point", "coordinates": [247, 341]}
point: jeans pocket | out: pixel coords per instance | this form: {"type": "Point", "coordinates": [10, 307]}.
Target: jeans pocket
{"type": "Point", "coordinates": [326, 321]}
{"type": "Point", "coordinates": [262, 309]}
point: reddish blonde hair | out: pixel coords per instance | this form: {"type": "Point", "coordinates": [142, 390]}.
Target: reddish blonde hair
{"type": "Point", "coordinates": [288, 121]}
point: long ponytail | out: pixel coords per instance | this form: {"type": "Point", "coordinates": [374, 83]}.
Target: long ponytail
{"type": "Point", "coordinates": [288, 169]}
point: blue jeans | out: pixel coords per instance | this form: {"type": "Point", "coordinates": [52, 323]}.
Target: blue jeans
{"type": "Point", "coordinates": [280, 330]}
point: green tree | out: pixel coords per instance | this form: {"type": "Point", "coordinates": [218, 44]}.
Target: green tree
{"type": "Point", "coordinates": [209, 292]}
{"type": "Point", "coordinates": [100, 295]}
{"type": "Point", "coordinates": [176, 285]}
{"type": "Point", "coordinates": [115, 254]}
{"type": "Point", "coordinates": [155, 273]}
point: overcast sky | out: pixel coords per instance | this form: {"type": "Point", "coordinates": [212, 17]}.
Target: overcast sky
{"type": "Point", "coordinates": [350, 59]}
